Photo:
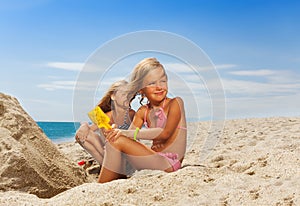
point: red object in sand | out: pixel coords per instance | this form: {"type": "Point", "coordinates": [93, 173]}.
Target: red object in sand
{"type": "Point", "coordinates": [81, 163]}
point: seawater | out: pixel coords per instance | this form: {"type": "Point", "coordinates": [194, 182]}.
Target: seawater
{"type": "Point", "coordinates": [59, 132]}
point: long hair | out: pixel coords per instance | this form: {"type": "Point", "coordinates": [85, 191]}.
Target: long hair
{"type": "Point", "coordinates": [139, 73]}
{"type": "Point", "coordinates": [106, 103]}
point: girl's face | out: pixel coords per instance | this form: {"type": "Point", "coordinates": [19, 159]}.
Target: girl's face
{"type": "Point", "coordinates": [120, 97]}
{"type": "Point", "coordinates": [155, 85]}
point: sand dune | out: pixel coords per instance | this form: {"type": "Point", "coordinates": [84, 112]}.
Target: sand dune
{"type": "Point", "coordinates": [30, 162]}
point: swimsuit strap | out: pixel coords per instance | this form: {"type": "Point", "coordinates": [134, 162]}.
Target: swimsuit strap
{"type": "Point", "coordinates": [125, 125]}
{"type": "Point", "coordinates": [145, 117]}
{"type": "Point", "coordinates": [125, 116]}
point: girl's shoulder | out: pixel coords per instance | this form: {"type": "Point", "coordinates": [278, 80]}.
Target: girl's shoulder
{"type": "Point", "coordinates": [141, 111]}
{"type": "Point", "coordinates": [176, 100]}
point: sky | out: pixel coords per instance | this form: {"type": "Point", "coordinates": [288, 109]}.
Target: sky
{"type": "Point", "coordinates": [254, 46]}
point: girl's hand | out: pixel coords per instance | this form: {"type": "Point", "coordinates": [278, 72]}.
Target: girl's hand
{"type": "Point", "coordinates": [105, 132]}
{"type": "Point", "coordinates": [112, 134]}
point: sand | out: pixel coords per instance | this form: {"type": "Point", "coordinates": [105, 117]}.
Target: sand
{"type": "Point", "coordinates": [30, 162]}
{"type": "Point", "coordinates": [254, 162]}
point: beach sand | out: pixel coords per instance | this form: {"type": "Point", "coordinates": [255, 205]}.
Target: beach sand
{"type": "Point", "coordinates": [254, 162]}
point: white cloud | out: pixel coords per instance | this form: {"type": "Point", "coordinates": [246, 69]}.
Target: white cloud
{"type": "Point", "coordinates": [264, 106]}
{"type": "Point", "coordinates": [270, 76]}
{"type": "Point", "coordinates": [70, 66]}
{"type": "Point", "coordinates": [90, 85]}
{"type": "Point", "coordinates": [225, 66]}
{"type": "Point", "coordinates": [178, 67]}
{"type": "Point", "coordinates": [39, 101]}
{"type": "Point", "coordinates": [261, 72]}
{"type": "Point", "coordinates": [277, 94]}
{"type": "Point", "coordinates": [183, 79]}
{"type": "Point", "coordinates": [284, 76]}
{"type": "Point", "coordinates": [87, 67]}
{"type": "Point", "coordinates": [243, 88]}
{"type": "Point", "coordinates": [56, 85]}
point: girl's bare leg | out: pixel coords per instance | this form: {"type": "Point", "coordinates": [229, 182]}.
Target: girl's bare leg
{"type": "Point", "coordinates": [92, 143]}
{"type": "Point", "coordinates": [95, 145]}
{"type": "Point", "coordinates": [93, 151]}
{"type": "Point", "coordinates": [139, 155]}
{"type": "Point", "coordinates": [112, 164]}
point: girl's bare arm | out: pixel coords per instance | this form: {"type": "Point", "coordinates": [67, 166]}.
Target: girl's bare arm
{"type": "Point", "coordinates": [174, 116]}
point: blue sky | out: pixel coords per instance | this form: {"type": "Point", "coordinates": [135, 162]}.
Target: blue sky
{"type": "Point", "coordinates": [254, 44]}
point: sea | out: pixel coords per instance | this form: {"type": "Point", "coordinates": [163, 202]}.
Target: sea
{"type": "Point", "coordinates": [59, 132]}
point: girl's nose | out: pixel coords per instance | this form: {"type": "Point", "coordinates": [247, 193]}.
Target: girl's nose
{"type": "Point", "coordinates": [158, 85]}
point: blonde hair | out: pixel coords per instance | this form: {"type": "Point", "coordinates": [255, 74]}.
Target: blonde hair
{"type": "Point", "coordinates": [139, 73]}
{"type": "Point", "coordinates": [106, 102]}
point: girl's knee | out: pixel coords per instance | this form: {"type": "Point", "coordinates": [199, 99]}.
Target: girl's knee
{"type": "Point", "coordinates": [84, 126]}
{"type": "Point", "coordinates": [84, 123]}
{"type": "Point", "coordinates": [119, 143]}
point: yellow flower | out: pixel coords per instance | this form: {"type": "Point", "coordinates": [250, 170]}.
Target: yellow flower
{"type": "Point", "coordinates": [99, 118]}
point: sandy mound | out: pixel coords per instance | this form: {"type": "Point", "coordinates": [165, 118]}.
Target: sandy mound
{"type": "Point", "coordinates": [30, 162]}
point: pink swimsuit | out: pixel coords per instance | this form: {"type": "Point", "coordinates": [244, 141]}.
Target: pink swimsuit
{"type": "Point", "coordinates": [160, 122]}
{"type": "Point", "coordinates": [161, 117]}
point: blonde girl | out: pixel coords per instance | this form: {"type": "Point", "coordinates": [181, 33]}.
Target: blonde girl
{"type": "Point", "coordinates": [164, 119]}
{"type": "Point", "coordinates": [116, 106]}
